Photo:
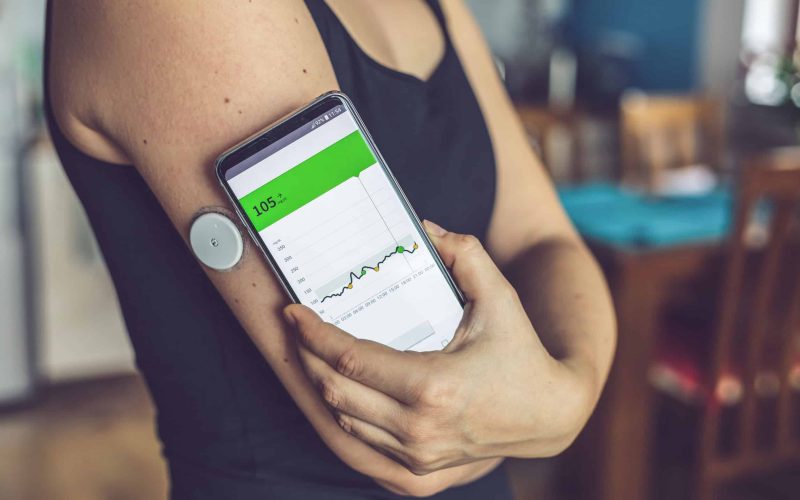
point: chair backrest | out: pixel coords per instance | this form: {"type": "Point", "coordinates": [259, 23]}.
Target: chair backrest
{"type": "Point", "coordinates": [758, 331]}
{"type": "Point", "coordinates": [545, 126]}
{"type": "Point", "coordinates": [659, 132]}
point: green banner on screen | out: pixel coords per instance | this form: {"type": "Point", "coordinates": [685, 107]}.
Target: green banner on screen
{"type": "Point", "coordinates": [310, 179]}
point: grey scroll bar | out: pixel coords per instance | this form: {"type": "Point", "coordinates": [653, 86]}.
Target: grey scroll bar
{"type": "Point", "coordinates": [412, 337]}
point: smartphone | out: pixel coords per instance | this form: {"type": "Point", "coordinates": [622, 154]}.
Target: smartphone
{"type": "Point", "coordinates": [322, 205]}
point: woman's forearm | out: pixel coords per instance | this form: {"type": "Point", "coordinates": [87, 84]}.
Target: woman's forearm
{"type": "Point", "coordinates": [566, 298]}
{"type": "Point", "coordinates": [497, 390]}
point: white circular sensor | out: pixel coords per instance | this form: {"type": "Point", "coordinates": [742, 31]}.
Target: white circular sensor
{"type": "Point", "coordinates": [216, 241]}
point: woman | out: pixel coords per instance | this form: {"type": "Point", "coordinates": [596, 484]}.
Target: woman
{"type": "Point", "coordinates": [257, 402]}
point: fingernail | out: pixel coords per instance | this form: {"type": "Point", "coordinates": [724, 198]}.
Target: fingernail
{"type": "Point", "coordinates": [433, 228]}
{"type": "Point", "coordinates": [344, 422]}
{"type": "Point", "coordinates": [287, 313]}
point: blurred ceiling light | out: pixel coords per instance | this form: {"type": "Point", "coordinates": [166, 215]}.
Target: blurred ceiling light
{"type": "Point", "coordinates": [765, 28]}
{"type": "Point", "coordinates": [762, 84]}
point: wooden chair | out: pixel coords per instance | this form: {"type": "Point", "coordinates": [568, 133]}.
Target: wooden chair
{"type": "Point", "coordinates": [664, 132]}
{"type": "Point", "coordinates": [751, 376]}
{"type": "Point", "coordinates": [553, 132]}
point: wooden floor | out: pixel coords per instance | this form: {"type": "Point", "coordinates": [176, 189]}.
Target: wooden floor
{"type": "Point", "coordinates": [90, 441]}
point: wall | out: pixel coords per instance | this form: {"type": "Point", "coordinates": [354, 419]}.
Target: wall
{"type": "Point", "coordinates": [17, 31]}
{"type": "Point", "coordinates": [73, 327]}
{"type": "Point", "coordinates": [721, 36]}
{"type": "Point", "coordinates": [666, 29]}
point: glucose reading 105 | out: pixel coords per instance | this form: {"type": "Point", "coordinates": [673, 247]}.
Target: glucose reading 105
{"type": "Point", "coordinates": [337, 229]}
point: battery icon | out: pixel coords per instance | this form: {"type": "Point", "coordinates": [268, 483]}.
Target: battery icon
{"type": "Point", "coordinates": [326, 118]}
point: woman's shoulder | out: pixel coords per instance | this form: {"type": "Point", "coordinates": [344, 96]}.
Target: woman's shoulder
{"type": "Point", "coordinates": [121, 70]}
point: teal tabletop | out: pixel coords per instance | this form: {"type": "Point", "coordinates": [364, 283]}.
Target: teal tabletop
{"type": "Point", "coordinates": [611, 214]}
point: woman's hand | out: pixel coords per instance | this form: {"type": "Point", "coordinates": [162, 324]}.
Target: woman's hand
{"type": "Point", "coordinates": [494, 391]}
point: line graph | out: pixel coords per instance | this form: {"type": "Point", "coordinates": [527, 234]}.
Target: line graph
{"type": "Point", "coordinates": [399, 249]}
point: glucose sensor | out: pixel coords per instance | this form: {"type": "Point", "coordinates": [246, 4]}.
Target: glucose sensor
{"type": "Point", "coordinates": [216, 241]}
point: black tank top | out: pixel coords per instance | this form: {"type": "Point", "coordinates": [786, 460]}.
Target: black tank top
{"type": "Point", "coordinates": [228, 427]}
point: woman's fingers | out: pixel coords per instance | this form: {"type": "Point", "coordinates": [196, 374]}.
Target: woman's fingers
{"type": "Point", "coordinates": [418, 462]}
{"type": "Point", "coordinates": [418, 459]}
{"type": "Point", "coordinates": [473, 269]}
{"type": "Point", "coordinates": [373, 417]}
{"type": "Point", "coordinates": [373, 435]}
{"type": "Point", "coordinates": [398, 374]}
{"type": "Point", "coordinates": [351, 397]}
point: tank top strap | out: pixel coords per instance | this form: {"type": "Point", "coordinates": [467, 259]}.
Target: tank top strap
{"type": "Point", "coordinates": [342, 51]}
{"type": "Point", "coordinates": [322, 16]}
{"type": "Point", "coordinates": [436, 7]}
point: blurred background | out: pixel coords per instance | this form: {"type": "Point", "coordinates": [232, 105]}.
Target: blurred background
{"type": "Point", "coordinates": [670, 128]}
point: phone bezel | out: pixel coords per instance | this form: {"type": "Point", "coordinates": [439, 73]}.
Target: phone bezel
{"type": "Point", "coordinates": [263, 138]}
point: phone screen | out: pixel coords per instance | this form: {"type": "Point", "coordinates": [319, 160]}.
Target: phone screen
{"type": "Point", "coordinates": [341, 235]}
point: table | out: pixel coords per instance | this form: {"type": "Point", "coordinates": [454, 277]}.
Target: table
{"type": "Point", "coordinates": [644, 244]}
{"type": "Point", "coordinates": [615, 451]}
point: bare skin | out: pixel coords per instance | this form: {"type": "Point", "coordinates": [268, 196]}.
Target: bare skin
{"type": "Point", "coordinates": [167, 85]}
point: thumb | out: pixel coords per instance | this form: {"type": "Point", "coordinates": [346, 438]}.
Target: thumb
{"type": "Point", "coordinates": [473, 269]}
{"type": "Point", "coordinates": [302, 318]}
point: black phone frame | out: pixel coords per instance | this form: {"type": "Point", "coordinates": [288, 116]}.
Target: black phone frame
{"type": "Point", "coordinates": [265, 137]}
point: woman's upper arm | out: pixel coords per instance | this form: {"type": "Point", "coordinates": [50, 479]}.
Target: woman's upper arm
{"type": "Point", "coordinates": [167, 86]}
{"type": "Point", "coordinates": [526, 209]}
